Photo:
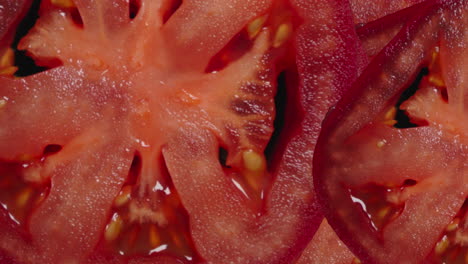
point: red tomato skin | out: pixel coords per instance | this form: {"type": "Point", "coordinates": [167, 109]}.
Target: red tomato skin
{"type": "Point", "coordinates": [322, 52]}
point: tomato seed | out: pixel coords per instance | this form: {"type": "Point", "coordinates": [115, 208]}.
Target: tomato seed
{"type": "Point", "coordinates": [254, 27]}
{"type": "Point", "coordinates": [253, 161]}
{"type": "Point", "coordinates": [7, 59]}
{"type": "Point", "coordinates": [23, 197]}
{"type": "Point", "coordinates": [282, 34]}
{"type": "Point", "coordinates": [154, 238]}
{"type": "Point", "coordinates": [453, 225]}
{"type": "Point", "coordinates": [442, 246]}
{"type": "Point", "coordinates": [113, 228]}
{"type": "Point", "coordinates": [63, 3]}
{"type": "Point", "coordinates": [8, 70]}
{"type": "Point", "coordinates": [381, 143]}
{"type": "Point", "coordinates": [123, 197]}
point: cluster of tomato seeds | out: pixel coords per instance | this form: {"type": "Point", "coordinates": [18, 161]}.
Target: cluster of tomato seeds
{"type": "Point", "coordinates": [380, 203]}
{"type": "Point", "coordinates": [428, 76]}
{"type": "Point", "coordinates": [149, 224]}
{"type": "Point", "coordinates": [282, 23]}
{"type": "Point", "coordinates": [21, 189]}
{"type": "Point", "coordinates": [249, 170]}
{"type": "Point", "coordinates": [452, 247]}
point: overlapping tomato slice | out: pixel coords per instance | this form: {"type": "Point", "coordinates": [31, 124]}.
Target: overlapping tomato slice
{"type": "Point", "coordinates": [391, 169]}
{"type": "Point", "coordinates": [184, 131]}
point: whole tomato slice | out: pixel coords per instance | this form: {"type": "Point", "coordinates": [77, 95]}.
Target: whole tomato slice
{"type": "Point", "coordinates": [151, 139]}
{"type": "Point", "coordinates": [391, 167]}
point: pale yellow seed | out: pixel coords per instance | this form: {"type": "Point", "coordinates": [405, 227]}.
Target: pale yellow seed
{"type": "Point", "coordinates": [390, 122]}
{"type": "Point", "coordinates": [442, 246]}
{"type": "Point", "coordinates": [63, 3]}
{"type": "Point", "coordinates": [254, 27]}
{"type": "Point", "coordinates": [253, 161]}
{"type": "Point", "coordinates": [2, 103]}
{"type": "Point", "coordinates": [436, 80]}
{"type": "Point", "coordinates": [113, 228]}
{"type": "Point", "coordinates": [453, 225]}
{"type": "Point", "coordinates": [7, 59]}
{"type": "Point", "coordinates": [154, 237]}
{"type": "Point", "coordinates": [390, 113]}
{"type": "Point", "coordinates": [356, 261]}
{"type": "Point", "coordinates": [383, 212]}
{"type": "Point", "coordinates": [8, 70]}
{"type": "Point", "coordinates": [23, 197]}
{"type": "Point", "coordinates": [435, 55]}
{"type": "Point", "coordinates": [123, 197]}
{"type": "Point", "coordinates": [282, 34]}
{"type": "Point", "coordinates": [381, 143]}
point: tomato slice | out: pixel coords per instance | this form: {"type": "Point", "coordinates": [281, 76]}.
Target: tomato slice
{"type": "Point", "coordinates": [387, 189]}
{"type": "Point", "coordinates": [328, 61]}
{"type": "Point", "coordinates": [141, 128]}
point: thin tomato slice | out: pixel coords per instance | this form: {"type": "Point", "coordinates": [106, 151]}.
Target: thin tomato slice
{"type": "Point", "coordinates": [328, 62]}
